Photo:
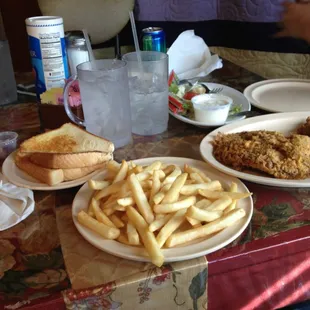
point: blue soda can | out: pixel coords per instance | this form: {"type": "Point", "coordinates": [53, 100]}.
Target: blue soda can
{"type": "Point", "coordinates": [48, 52]}
{"type": "Point", "coordinates": [154, 39]}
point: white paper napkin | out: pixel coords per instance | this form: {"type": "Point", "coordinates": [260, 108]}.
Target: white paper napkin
{"type": "Point", "coordinates": [16, 203]}
{"type": "Point", "coordinates": [190, 57]}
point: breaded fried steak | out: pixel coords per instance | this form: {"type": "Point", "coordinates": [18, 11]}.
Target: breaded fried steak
{"type": "Point", "coordinates": [267, 151]}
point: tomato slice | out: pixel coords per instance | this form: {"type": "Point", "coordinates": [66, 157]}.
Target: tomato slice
{"type": "Point", "coordinates": [189, 95]}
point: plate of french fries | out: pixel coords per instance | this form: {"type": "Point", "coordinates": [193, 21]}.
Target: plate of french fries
{"type": "Point", "coordinates": [162, 209]}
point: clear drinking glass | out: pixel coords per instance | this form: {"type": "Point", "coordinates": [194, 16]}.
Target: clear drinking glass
{"type": "Point", "coordinates": [105, 99]}
{"type": "Point", "coordinates": [148, 88]}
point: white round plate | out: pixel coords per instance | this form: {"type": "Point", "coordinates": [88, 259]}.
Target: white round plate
{"type": "Point", "coordinates": [22, 179]}
{"type": "Point", "coordinates": [281, 122]}
{"type": "Point", "coordinates": [190, 251]}
{"type": "Point", "coordinates": [281, 95]}
{"type": "Point", "coordinates": [237, 97]}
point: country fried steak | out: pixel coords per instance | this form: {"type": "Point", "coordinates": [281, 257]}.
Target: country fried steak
{"type": "Point", "coordinates": [267, 151]}
{"type": "Point", "coordinates": [304, 129]}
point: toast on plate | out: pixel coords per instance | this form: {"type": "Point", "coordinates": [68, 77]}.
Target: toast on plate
{"type": "Point", "coordinates": [67, 161]}
{"type": "Point", "coordinates": [54, 176]}
{"type": "Point", "coordinates": [67, 139]}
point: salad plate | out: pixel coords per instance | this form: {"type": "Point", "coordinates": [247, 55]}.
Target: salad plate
{"type": "Point", "coordinates": [240, 104]}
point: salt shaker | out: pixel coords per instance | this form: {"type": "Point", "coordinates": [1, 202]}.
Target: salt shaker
{"type": "Point", "coordinates": [76, 49]}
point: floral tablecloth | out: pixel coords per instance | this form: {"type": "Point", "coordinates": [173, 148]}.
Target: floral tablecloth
{"type": "Point", "coordinates": [45, 263]}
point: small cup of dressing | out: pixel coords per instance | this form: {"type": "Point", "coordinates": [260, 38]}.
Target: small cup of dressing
{"type": "Point", "coordinates": [211, 109]}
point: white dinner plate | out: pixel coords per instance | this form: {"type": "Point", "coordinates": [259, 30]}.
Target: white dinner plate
{"type": "Point", "coordinates": [238, 98]}
{"type": "Point", "coordinates": [180, 253]}
{"type": "Point", "coordinates": [281, 122]}
{"type": "Point", "coordinates": [280, 95]}
{"type": "Point", "coordinates": [22, 179]}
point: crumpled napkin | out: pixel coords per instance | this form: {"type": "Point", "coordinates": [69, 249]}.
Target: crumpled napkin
{"type": "Point", "coordinates": [190, 57]}
{"type": "Point", "coordinates": [16, 203]}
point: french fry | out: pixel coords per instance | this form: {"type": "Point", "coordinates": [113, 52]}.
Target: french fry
{"type": "Point", "coordinates": [112, 189]}
{"type": "Point", "coordinates": [147, 237]}
{"type": "Point", "coordinates": [197, 178]}
{"type": "Point", "coordinates": [146, 184]}
{"type": "Point", "coordinates": [124, 191]}
{"type": "Point", "coordinates": [109, 211]}
{"type": "Point", "coordinates": [90, 210]}
{"type": "Point", "coordinates": [172, 176]}
{"type": "Point", "coordinates": [140, 199]}
{"type": "Point", "coordinates": [157, 199]}
{"type": "Point", "coordinates": [132, 234]}
{"type": "Point", "coordinates": [216, 195]}
{"type": "Point", "coordinates": [98, 185]}
{"type": "Point", "coordinates": [174, 223]}
{"type": "Point", "coordinates": [203, 215]}
{"type": "Point", "coordinates": [193, 189]}
{"type": "Point", "coordinates": [169, 169]}
{"type": "Point", "coordinates": [119, 208]}
{"type": "Point", "coordinates": [155, 185]}
{"type": "Point", "coordinates": [109, 204]}
{"type": "Point", "coordinates": [144, 175]}
{"type": "Point", "coordinates": [190, 170]}
{"type": "Point", "coordinates": [123, 239]}
{"type": "Point", "coordinates": [188, 182]}
{"type": "Point", "coordinates": [156, 165]}
{"type": "Point", "coordinates": [220, 204]}
{"type": "Point", "coordinates": [159, 223]}
{"type": "Point", "coordinates": [100, 216]}
{"type": "Point", "coordinates": [113, 166]}
{"type": "Point", "coordinates": [122, 173]}
{"type": "Point", "coordinates": [129, 165]}
{"type": "Point", "coordinates": [174, 191]}
{"type": "Point", "coordinates": [127, 201]}
{"type": "Point", "coordinates": [175, 206]}
{"type": "Point", "coordinates": [136, 170]}
{"type": "Point", "coordinates": [100, 228]}
{"type": "Point", "coordinates": [165, 188]}
{"type": "Point", "coordinates": [205, 230]}
{"type": "Point", "coordinates": [193, 222]}
{"type": "Point", "coordinates": [117, 221]}
{"type": "Point", "coordinates": [203, 203]}
{"type": "Point", "coordinates": [233, 188]}
{"type": "Point", "coordinates": [162, 174]}
{"type": "Point", "coordinates": [159, 216]}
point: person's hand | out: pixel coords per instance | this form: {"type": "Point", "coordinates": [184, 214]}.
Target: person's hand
{"type": "Point", "coordinates": [296, 21]}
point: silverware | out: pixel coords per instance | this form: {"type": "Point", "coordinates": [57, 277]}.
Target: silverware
{"type": "Point", "coordinates": [215, 90]}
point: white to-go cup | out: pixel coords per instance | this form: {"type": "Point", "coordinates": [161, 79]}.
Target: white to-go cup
{"type": "Point", "coordinates": [211, 109]}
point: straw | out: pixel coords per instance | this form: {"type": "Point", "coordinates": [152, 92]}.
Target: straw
{"type": "Point", "coordinates": [88, 45]}
{"type": "Point", "coordinates": [136, 41]}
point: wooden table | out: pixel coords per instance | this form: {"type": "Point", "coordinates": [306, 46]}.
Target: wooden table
{"type": "Point", "coordinates": [267, 267]}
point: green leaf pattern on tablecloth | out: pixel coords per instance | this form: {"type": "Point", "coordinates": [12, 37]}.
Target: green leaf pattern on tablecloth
{"type": "Point", "coordinates": [197, 287]}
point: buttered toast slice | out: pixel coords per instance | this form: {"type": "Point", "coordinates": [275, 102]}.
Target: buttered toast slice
{"type": "Point", "coordinates": [68, 138]}
{"type": "Point", "coordinates": [67, 161]}
{"type": "Point", "coordinates": [54, 176]}
{"type": "Point", "coordinates": [45, 175]}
